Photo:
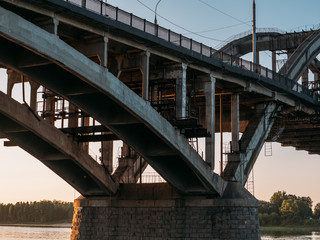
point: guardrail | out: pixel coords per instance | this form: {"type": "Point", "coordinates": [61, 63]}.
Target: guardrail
{"type": "Point", "coordinates": [114, 13]}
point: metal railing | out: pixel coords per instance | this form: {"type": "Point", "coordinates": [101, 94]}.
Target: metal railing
{"type": "Point", "coordinates": [114, 13]}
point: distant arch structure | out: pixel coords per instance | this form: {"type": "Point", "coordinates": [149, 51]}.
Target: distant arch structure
{"type": "Point", "coordinates": [302, 57]}
{"type": "Point", "coordinates": [267, 39]}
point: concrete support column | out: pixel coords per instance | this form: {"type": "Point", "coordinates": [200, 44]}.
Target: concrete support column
{"type": "Point", "coordinates": [119, 59]}
{"type": "Point", "coordinates": [145, 73]}
{"type": "Point", "coordinates": [235, 122]}
{"type": "Point", "coordinates": [50, 105]}
{"type": "Point", "coordinates": [305, 78]}
{"type": "Point", "coordinates": [33, 95]}
{"type": "Point", "coordinates": [107, 155]}
{"type": "Point", "coordinates": [105, 52]}
{"type": "Point", "coordinates": [73, 116]}
{"type": "Point", "coordinates": [274, 61]}
{"type": "Point", "coordinates": [83, 3]}
{"type": "Point", "coordinates": [50, 25]}
{"type": "Point", "coordinates": [13, 78]}
{"type": "Point", "coordinates": [126, 163]}
{"type": "Point", "coordinates": [209, 91]}
{"type": "Point", "coordinates": [55, 26]}
{"type": "Point", "coordinates": [154, 96]}
{"type": "Point", "coordinates": [181, 93]}
{"type": "Point", "coordinates": [258, 58]}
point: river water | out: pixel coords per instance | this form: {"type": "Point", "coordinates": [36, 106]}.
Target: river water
{"type": "Point", "coordinates": [35, 233]}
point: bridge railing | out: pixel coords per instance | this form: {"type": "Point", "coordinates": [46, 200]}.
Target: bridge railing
{"type": "Point", "coordinates": [114, 13]}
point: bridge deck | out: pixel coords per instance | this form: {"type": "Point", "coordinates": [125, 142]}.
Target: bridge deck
{"type": "Point", "coordinates": [53, 63]}
{"type": "Point", "coordinates": [106, 20]}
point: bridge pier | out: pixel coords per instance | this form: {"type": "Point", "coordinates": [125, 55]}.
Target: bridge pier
{"type": "Point", "coordinates": [156, 211]}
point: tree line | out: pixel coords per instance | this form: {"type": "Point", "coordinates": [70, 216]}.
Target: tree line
{"type": "Point", "coordinates": [36, 212]}
{"type": "Point", "coordinates": [286, 208]}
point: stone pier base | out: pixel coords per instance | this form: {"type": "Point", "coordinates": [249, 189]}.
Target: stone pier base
{"type": "Point", "coordinates": [156, 211]}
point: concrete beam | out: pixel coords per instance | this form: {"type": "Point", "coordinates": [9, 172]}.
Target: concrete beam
{"type": "Point", "coordinates": [49, 144]}
{"type": "Point", "coordinates": [305, 78]}
{"type": "Point", "coordinates": [185, 169]}
{"type": "Point", "coordinates": [145, 74]}
{"type": "Point", "coordinates": [99, 31]}
{"type": "Point", "coordinates": [50, 25]}
{"type": "Point", "coordinates": [274, 61]}
{"type": "Point", "coordinates": [93, 47]}
{"type": "Point", "coordinates": [235, 122]}
{"type": "Point", "coordinates": [107, 155]}
{"type": "Point", "coordinates": [209, 91]}
{"type": "Point", "coordinates": [302, 133]}
{"type": "Point", "coordinates": [181, 94]}
{"type": "Point", "coordinates": [300, 60]}
{"type": "Point", "coordinates": [241, 163]}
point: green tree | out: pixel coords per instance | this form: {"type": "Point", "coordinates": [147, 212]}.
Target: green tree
{"type": "Point", "coordinates": [316, 212]}
{"type": "Point", "coordinates": [294, 210]}
{"type": "Point", "coordinates": [277, 198]}
{"type": "Point", "coordinates": [36, 212]}
{"type": "Point", "coordinates": [267, 207]}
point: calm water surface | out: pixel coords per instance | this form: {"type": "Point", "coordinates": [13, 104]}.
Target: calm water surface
{"type": "Point", "coordinates": [14, 233]}
{"type": "Point", "coordinates": [34, 233]}
{"type": "Point", "coordinates": [312, 236]}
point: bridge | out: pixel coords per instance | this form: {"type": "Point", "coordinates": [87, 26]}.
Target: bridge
{"type": "Point", "coordinates": [107, 75]}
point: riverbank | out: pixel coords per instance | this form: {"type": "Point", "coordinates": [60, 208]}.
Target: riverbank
{"type": "Point", "coordinates": [49, 225]}
{"type": "Point", "coordinates": [280, 230]}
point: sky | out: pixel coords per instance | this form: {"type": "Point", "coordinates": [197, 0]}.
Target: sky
{"type": "Point", "coordinates": [212, 22]}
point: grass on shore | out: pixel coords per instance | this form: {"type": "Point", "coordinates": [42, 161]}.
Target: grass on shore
{"type": "Point", "coordinates": [275, 230]}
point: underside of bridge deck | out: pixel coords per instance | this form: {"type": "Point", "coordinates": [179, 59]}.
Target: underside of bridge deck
{"type": "Point", "coordinates": [139, 89]}
{"type": "Point", "coordinates": [103, 79]}
{"type": "Point", "coordinates": [96, 91]}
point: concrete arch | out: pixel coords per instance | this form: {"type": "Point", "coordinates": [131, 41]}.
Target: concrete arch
{"type": "Point", "coordinates": [300, 60]}
{"type": "Point", "coordinates": [265, 41]}
{"type": "Point", "coordinates": [92, 88]}
{"type": "Point", "coordinates": [62, 154]}
{"type": "Point", "coordinates": [304, 43]}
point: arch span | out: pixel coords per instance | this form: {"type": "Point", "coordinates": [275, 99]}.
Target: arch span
{"type": "Point", "coordinates": [99, 93]}
{"type": "Point", "coordinates": [300, 60]}
{"type": "Point", "coordinates": [272, 41]}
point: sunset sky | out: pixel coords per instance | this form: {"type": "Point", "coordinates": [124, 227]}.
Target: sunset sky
{"type": "Point", "coordinates": [213, 22]}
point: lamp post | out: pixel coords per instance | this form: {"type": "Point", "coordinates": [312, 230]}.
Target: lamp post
{"type": "Point", "coordinates": [155, 12]}
{"type": "Point", "coordinates": [254, 38]}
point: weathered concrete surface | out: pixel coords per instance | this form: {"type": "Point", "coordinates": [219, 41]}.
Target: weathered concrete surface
{"type": "Point", "coordinates": [156, 211]}
{"type": "Point", "coordinates": [300, 60]}
{"type": "Point", "coordinates": [53, 148]}
{"type": "Point", "coordinates": [240, 163]}
{"type": "Point", "coordinates": [271, 41]}
{"type": "Point", "coordinates": [90, 86]}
